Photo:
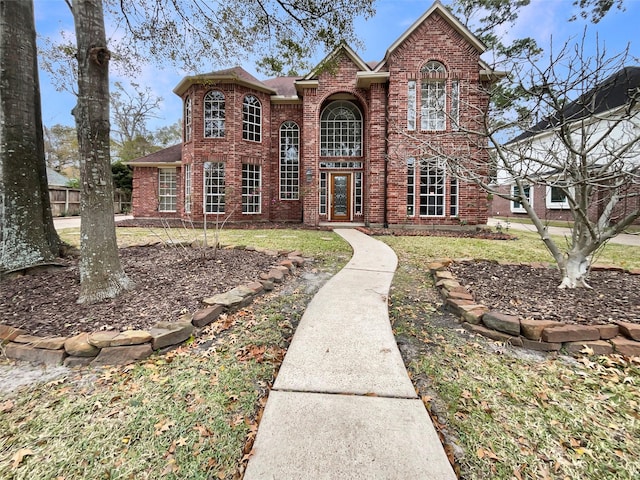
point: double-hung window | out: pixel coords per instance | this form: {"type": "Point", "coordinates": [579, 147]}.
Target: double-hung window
{"type": "Point", "coordinates": [251, 189]}
{"type": "Point", "coordinates": [516, 205]}
{"type": "Point", "coordinates": [214, 114]}
{"type": "Point", "coordinates": [432, 188]}
{"type": "Point", "coordinates": [214, 187]}
{"type": "Point", "coordinates": [251, 119]}
{"type": "Point", "coordinates": [167, 191]}
{"type": "Point", "coordinates": [289, 161]}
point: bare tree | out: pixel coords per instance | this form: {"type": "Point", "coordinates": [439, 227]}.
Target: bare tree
{"type": "Point", "coordinates": [27, 235]}
{"type": "Point", "coordinates": [580, 138]}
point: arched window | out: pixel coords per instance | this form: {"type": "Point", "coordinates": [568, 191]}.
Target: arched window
{"type": "Point", "coordinates": [341, 130]}
{"type": "Point", "coordinates": [187, 119]}
{"type": "Point", "coordinates": [214, 114]}
{"type": "Point", "coordinates": [251, 119]}
{"type": "Point", "coordinates": [433, 105]}
{"type": "Point", "coordinates": [289, 160]}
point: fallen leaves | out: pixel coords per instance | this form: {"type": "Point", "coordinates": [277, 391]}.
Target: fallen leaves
{"type": "Point", "coordinates": [19, 457]}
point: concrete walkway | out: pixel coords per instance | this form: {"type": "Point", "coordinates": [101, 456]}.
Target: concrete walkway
{"type": "Point", "coordinates": [343, 406]}
{"type": "Point", "coordinates": [621, 239]}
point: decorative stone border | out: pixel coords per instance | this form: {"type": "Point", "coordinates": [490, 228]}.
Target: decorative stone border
{"type": "Point", "coordinates": [119, 348]}
{"type": "Point", "coordinates": [540, 335]}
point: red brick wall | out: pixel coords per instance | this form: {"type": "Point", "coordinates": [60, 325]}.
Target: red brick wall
{"type": "Point", "coordinates": [434, 40]}
{"type": "Point", "coordinates": [144, 201]}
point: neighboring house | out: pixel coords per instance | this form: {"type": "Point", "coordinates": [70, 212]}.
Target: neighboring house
{"type": "Point", "coordinates": [593, 115]}
{"type": "Point", "coordinates": [64, 200]}
{"type": "Point", "coordinates": [349, 142]}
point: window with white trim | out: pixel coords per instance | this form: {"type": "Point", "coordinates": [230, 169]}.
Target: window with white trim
{"type": "Point", "coordinates": [251, 189]}
{"type": "Point", "coordinates": [214, 187]}
{"type": "Point", "coordinates": [516, 206]}
{"type": "Point", "coordinates": [167, 191]}
{"type": "Point", "coordinates": [187, 119]}
{"type": "Point", "coordinates": [557, 196]}
{"type": "Point", "coordinates": [453, 197]}
{"type": "Point", "coordinates": [433, 97]}
{"type": "Point", "coordinates": [455, 105]}
{"type": "Point", "coordinates": [341, 130]}
{"type": "Point", "coordinates": [251, 119]}
{"type": "Point", "coordinates": [411, 187]}
{"type": "Point", "coordinates": [432, 188]}
{"type": "Point", "coordinates": [322, 191]}
{"type": "Point", "coordinates": [214, 114]}
{"type": "Point", "coordinates": [411, 105]}
{"type": "Point", "coordinates": [289, 161]}
{"type": "Point", "coordinates": [187, 187]}
{"type": "Point", "coordinates": [357, 194]}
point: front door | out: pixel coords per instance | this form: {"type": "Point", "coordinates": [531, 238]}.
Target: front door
{"type": "Point", "coordinates": [341, 197]}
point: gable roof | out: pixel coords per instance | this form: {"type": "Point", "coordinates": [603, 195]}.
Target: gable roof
{"type": "Point", "coordinates": [437, 7]}
{"type": "Point", "coordinates": [619, 89]}
{"type": "Point", "coordinates": [167, 157]}
{"type": "Point", "coordinates": [237, 75]}
{"type": "Point", "coordinates": [342, 48]}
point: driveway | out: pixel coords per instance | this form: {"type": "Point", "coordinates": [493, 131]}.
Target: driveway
{"type": "Point", "coordinates": [622, 239]}
{"type": "Point", "coordinates": [74, 222]}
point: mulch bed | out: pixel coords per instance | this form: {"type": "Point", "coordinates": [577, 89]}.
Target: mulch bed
{"type": "Point", "coordinates": [169, 281]}
{"type": "Point", "coordinates": [533, 293]}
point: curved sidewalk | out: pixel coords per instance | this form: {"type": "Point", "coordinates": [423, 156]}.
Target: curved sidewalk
{"type": "Point", "coordinates": [343, 406]}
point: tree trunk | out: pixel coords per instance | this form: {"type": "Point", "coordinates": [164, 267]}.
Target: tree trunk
{"type": "Point", "coordinates": [101, 274]}
{"type": "Point", "coordinates": [27, 234]}
{"type": "Point", "coordinates": [574, 270]}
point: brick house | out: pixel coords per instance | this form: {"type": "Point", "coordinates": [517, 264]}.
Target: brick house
{"type": "Point", "coordinates": [345, 143]}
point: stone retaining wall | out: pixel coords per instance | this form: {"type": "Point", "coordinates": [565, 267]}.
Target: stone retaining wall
{"type": "Point", "coordinates": [541, 335]}
{"type": "Point", "coordinates": [118, 348]}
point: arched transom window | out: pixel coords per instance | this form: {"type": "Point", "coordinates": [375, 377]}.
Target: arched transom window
{"type": "Point", "coordinates": [433, 113]}
{"type": "Point", "coordinates": [251, 119]}
{"type": "Point", "coordinates": [214, 114]}
{"type": "Point", "coordinates": [341, 130]}
{"type": "Point", "coordinates": [289, 160]}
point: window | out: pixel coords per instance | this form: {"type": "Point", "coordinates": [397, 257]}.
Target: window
{"type": "Point", "coordinates": [251, 119]}
{"type": "Point", "coordinates": [167, 190]}
{"type": "Point", "coordinates": [516, 206]}
{"type": "Point", "coordinates": [357, 195]}
{"type": "Point", "coordinates": [557, 196]}
{"type": "Point", "coordinates": [187, 188]}
{"type": "Point", "coordinates": [214, 114]}
{"type": "Point", "coordinates": [432, 185]}
{"type": "Point", "coordinates": [214, 187]}
{"type": "Point", "coordinates": [453, 197]}
{"type": "Point", "coordinates": [455, 105]}
{"type": "Point", "coordinates": [433, 97]}
{"type": "Point", "coordinates": [187, 119]}
{"type": "Point", "coordinates": [323, 193]}
{"type": "Point", "coordinates": [289, 161]}
{"type": "Point", "coordinates": [341, 130]}
{"type": "Point", "coordinates": [411, 105]}
{"type": "Point", "coordinates": [411, 187]}
{"type": "Point", "coordinates": [251, 189]}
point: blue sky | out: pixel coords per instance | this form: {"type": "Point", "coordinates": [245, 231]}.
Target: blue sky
{"type": "Point", "coordinates": [541, 20]}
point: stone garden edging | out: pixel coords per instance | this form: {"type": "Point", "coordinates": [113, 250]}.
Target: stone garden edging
{"type": "Point", "coordinates": [541, 335]}
{"type": "Point", "coordinates": [119, 348]}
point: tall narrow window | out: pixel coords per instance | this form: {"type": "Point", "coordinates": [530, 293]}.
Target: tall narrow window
{"type": "Point", "coordinates": [251, 189]}
{"type": "Point", "coordinates": [214, 114]}
{"type": "Point", "coordinates": [433, 97]}
{"type": "Point", "coordinates": [214, 187]}
{"type": "Point", "coordinates": [411, 105]}
{"type": "Point", "coordinates": [187, 187]}
{"type": "Point", "coordinates": [187, 119]}
{"type": "Point", "coordinates": [453, 197]}
{"type": "Point", "coordinates": [251, 119]}
{"type": "Point", "coordinates": [455, 105]}
{"type": "Point", "coordinates": [323, 193]}
{"type": "Point", "coordinates": [516, 205]}
{"type": "Point", "coordinates": [357, 194]}
{"type": "Point", "coordinates": [289, 161]}
{"type": "Point", "coordinates": [341, 130]}
{"type": "Point", "coordinates": [411, 187]}
{"type": "Point", "coordinates": [432, 185]}
{"type": "Point", "coordinates": [167, 190]}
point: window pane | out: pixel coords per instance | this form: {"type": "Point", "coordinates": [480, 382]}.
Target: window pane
{"type": "Point", "coordinates": [187, 119]}
{"type": "Point", "coordinates": [251, 119]}
{"type": "Point", "coordinates": [167, 190]}
{"type": "Point", "coordinates": [214, 114]}
{"type": "Point", "coordinates": [187, 188]}
{"type": "Point", "coordinates": [432, 181]}
{"type": "Point", "coordinates": [411, 105]}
